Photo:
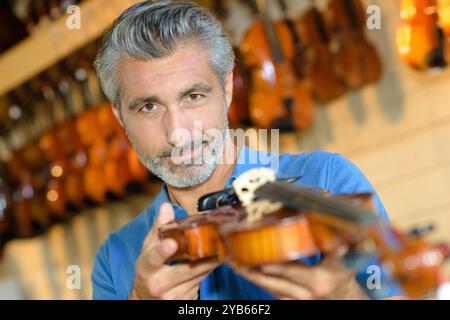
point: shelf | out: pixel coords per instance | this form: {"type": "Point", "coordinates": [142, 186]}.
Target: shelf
{"type": "Point", "coordinates": [54, 41]}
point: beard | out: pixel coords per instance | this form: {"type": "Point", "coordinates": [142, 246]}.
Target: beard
{"type": "Point", "coordinates": [189, 172]}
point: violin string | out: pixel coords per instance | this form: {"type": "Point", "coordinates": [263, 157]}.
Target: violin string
{"type": "Point", "coordinates": [304, 199]}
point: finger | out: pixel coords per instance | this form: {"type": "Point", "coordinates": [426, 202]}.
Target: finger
{"type": "Point", "coordinates": [280, 287]}
{"type": "Point", "coordinates": [294, 272]}
{"type": "Point", "coordinates": [186, 290]}
{"type": "Point", "coordinates": [176, 288]}
{"type": "Point", "coordinates": [165, 215]}
{"type": "Point", "coordinates": [178, 274]}
{"type": "Point", "coordinates": [320, 279]}
{"type": "Point", "coordinates": [158, 255]}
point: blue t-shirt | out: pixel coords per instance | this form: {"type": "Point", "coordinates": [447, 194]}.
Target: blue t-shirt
{"type": "Point", "coordinates": [113, 273]}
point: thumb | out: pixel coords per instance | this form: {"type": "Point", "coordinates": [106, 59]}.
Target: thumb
{"type": "Point", "coordinates": [165, 215]}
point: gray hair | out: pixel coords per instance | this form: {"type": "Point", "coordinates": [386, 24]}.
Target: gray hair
{"type": "Point", "coordinates": [156, 29]}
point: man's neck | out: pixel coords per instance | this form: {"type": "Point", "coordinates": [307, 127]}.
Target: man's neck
{"type": "Point", "coordinates": [187, 197]}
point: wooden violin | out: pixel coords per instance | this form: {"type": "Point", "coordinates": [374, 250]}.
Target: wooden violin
{"type": "Point", "coordinates": [418, 40]}
{"type": "Point", "coordinates": [91, 134]}
{"type": "Point", "coordinates": [69, 140]}
{"type": "Point", "coordinates": [238, 113]}
{"type": "Point", "coordinates": [238, 110]}
{"type": "Point", "coordinates": [444, 20]}
{"type": "Point", "coordinates": [57, 165]}
{"type": "Point", "coordinates": [278, 98]}
{"type": "Point", "coordinates": [278, 222]}
{"type": "Point", "coordinates": [314, 61]}
{"type": "Point", "coordinates": [117, 171]}
{"type": "Point", "coordinates": [357, 59]}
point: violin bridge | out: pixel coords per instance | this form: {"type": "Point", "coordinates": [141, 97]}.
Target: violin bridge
{"type": "Point", "coordinates": [246, 185]}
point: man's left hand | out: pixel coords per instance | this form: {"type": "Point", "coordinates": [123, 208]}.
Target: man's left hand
{"type": "Point", "coordinates": [292, 280]}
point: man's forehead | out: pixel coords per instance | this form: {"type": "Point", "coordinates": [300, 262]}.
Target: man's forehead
{"type": "Point", "coordinates": [185, 66]}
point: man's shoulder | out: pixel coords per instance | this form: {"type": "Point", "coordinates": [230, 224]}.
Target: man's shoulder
{"type": "Point", "coordinates": [314, 167]}
{"type": "Point", "coordinates": [131, 235]}
{"type": "Point", "coordinates": [313, 158]}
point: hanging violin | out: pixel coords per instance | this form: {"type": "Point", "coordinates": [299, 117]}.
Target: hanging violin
{"type": "Point", "coordinates": [357, 59]}
{"type": "Point", "coordinates": [418, 39]}
{"type": "Point", "coordinates": [444, 21]}
{"type": "Point", "coordinates": [278, 99]}
{"type": "Point", "coordinates": [314, 61]}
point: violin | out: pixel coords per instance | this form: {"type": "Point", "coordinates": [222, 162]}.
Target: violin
{"type": "Point", "coordinates": [91, 135]}
{"type": "Point", "coordinates": [444, 20]}
{"type": "Point", "coordinates": [19, 182]}
{"type": "Point", "coordinates": [117, 170]}
{"type": "Point", "coordinates": [277, 221]}
{"type": "Point", "coordinates": [417, 36]}
{"type": "Point", "coordinates": [33, 164]}
{"type": "Point", "coordinates": [57, 165]}
{"type": "Point", "coordinates": [278, 98]}
{"type": "Point", "coordinates": [69, 140]}
{"type": "Point", "coordinates": [6, 226]}
{"type": "Point", "coordinates": [357, 60]}
{"type": "Point", "coordinates": [198, 236]}
{"type": "Point", "coordinates": [314, 61]}
{"type": "Point", "coordinates": [238, 113]}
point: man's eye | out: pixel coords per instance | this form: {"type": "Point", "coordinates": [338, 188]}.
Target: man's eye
{"type": "Point", "coordinates": [147, 107]}
{"type": "Point", "coordinates": [195, 97]}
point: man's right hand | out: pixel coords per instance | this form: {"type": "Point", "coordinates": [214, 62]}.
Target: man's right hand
{"type": "Point", "coordinates": [156, 280]}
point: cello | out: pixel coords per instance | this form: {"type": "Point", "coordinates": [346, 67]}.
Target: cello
{"type": "Point", "coordinates": [278, 99]}
{"type": "Point", "coordinates": [357, 59]}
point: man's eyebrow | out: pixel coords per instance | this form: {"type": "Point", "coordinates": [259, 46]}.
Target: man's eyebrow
{"type": "Point", "coordinates": [201, 87]}
{"type": "Point", "coordinates": [142, 100]}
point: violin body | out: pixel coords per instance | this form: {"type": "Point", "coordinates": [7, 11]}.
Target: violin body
{"type": "Point", "coordinates": [76, 156]}
{"type": "Point", "coordinates": [317, 64]}
{"type": "Point", "coordinates": [33, 160]}
{"type": "Point", "coordinates": [417, 35]}
{"type": "Point", "coordinates": [444, 20]}
{"type": "Point", "coordinates": [238, 110]}
{"type": "Point", "coordinates": [357, 60]}
{"type": "Point", "coordinates": [6, 227]}
{"type": "Point", "coordinates": [90, 133]}
{"type": "Point", "coordinates": [56, 171]}
{"type": "Point", "coordinates": [277, 98]}
{"type": "Point", "coordinates": [288, 235]}
{"type": "Point", "coordinates": [117, 171]}
{"type": "Point", "coordinates": [21, 202]}
{"type": "Point", "coordinates": [198, 236]}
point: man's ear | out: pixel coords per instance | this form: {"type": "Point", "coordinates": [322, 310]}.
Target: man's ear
{"type": "Point", "coordinates": [116, 112]}
{"type": "Point", "coordinates": [229, 89]}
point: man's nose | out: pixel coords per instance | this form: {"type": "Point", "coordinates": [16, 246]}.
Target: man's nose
{"type": "Point", "coordinates": [177, 125]}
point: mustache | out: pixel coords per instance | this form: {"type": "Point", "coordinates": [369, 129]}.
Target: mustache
{"type": "Point", "coordinates": [189, 146]}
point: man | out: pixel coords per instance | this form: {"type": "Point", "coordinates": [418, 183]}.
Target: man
{"type": "Point", "coordinates": [167, 66]}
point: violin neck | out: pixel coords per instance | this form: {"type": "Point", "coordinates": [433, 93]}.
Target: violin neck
{"type": "Point", "coordinates": [271, 34]}
{"type": "Point", "coordinates": [352, 14]}
{"type": "Point", "coordinates": [318, 20]}
{"type": "Point", "coordinates": [299, 45]}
